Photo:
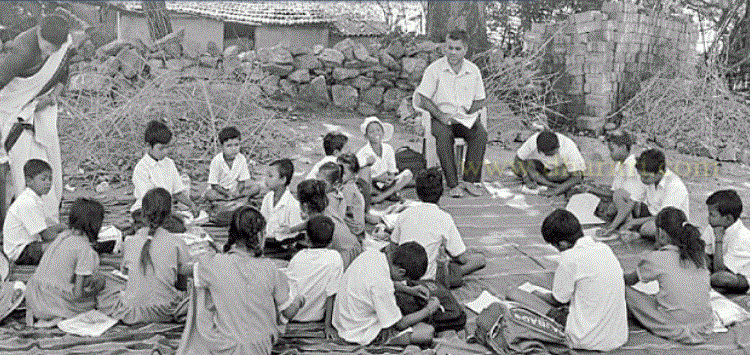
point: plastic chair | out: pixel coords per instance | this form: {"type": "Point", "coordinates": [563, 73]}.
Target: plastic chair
{"type": "Point", "coordinates": [428, 140]}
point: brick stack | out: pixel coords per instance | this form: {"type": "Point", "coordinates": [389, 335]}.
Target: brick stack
{"type": "Point", "coordinates": [605, 55]}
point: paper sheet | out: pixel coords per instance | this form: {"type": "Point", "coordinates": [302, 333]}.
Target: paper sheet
{"type": "Point", "coordinates": [92, 323]}
{"type": "Point", "coordinates": [483, 301]}
{"type": "Point", "coordinates": [535, 191]}
{"type": "Point", "coordinates": [583, 207]}
{"type": "Point", "coordinates": [529, 287]}
{"type": "Point", "coordinates": [649, 288]}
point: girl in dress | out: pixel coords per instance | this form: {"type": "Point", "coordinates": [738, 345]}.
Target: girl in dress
{"type": "Point", "coordinates": [67, 281]}
{"type": "Point", "coordinates": [238, 295]}
{"type": "Point", "coordinates": [681, 310]}
{"type": "Point", "coordinates": [157, 265]}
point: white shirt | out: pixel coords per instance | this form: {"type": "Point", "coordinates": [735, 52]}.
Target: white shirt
{"type": "Point", "coordinates": [314, 170]}
{"type": "Point", "coordinates": [23, 223]}
{"type": "Point", "coordinates": [451, 91]}
{"type": "Point", "coordinates": [221, 174]}
{"type": "Point", "coordinates": [737, 249]}
{"type": "Point", "coordinates": [589, 276]}
{"type": "Point", "coordinates": [670, 191]}
{"type": "Point", "coordinates": [568, 155]}
{"type": "Point", "coordinates": [430, 227]}
{"type": "Point", "coordinates": [365, 303]}
{"type": "Point", "coordinates": [286, 213]}
{"type": "Point", "coordinates": [383, 164]}
{"type": "Point", "coordinates": [625, 177]}
{"type": "Point", "coordinates": [149, 174]}
{"type": "Point", "coordinates": [315, 274]}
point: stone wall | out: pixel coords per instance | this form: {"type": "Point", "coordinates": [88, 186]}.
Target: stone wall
{"type": "Point", "coordinates": [604, 56]}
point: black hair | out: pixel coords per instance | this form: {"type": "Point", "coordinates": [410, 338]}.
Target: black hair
{"type": "Point", "coordinates": [350, 160]}
{"type": "Point", "coordinates": [547, 141]}
{"type": "Point", "coordinates": [312, 193]}
{"type": "Point", "coordinates": [684, 235]}
{"type": "Point", "coordinates": [54, 29]}
{"type": "Point", "coordinates": [320, 231]}
{"type": "Point", "coordinates": [157, 132]}
{"type": "Point", "coordinates": [651, 161]}
{"type": "Point", "coordinates": [726, 202]}
{"type": "Point", "coordinates": [411, 257]}
{"type": "Point", "coordinates": [34, 167]}
{"type": "Point", "coordinates": [246, 227]}
{"type": "Point", "coordinates": [333, 172]}
{"type": "Point", "coordinates": [561, 225]}
{"type": "Point", "coordinates": [228, 133]}
{"type": "Point", "coordinates": [621, 138]}
{"type": "Point", "coordinates": [429, 185]}
{"type": "Point", "coordinates": [334, 141]}
{"type": "Point", "coordinates": [157, 207]}
{"type": "Point", "coordinates": [285, 169]}
{"type": "Point", "coordinates": [86, 216]}
{"type": "Point", "coordinates": [459, 35]}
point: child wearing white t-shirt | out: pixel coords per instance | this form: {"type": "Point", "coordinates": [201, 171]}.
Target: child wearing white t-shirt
{"type": "Point", "coordinates": [549, 159]}
{"type": "Point", "coordinates": [228, 175]}
{"type": "Point", "coordinates": [380, 160]}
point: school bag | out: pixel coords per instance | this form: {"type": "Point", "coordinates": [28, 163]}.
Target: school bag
{"type": "Point", "coordinates": [450, 316]}
{"type": "Point", "coordinates": [407, 158]}
{"type": "Point", "coordinates": [511, 328]}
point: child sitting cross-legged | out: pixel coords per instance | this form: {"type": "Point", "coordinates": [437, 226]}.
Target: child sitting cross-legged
{"type": "Point", "coordinates": [378, 160]}
{"type": "Point", "coordinates": [157, 169]}
{"type": "Point", "coordinates": [354, 201]}
{"type": "Point", "coordinates": [316, 273]}
{"type": "Point", "coordinates": [334, 144]}
{"type": "Point", "coordinates": [549, 159]}
{"type": "Point", "coordinates": [239, 295]}
{"type": "Point", "coordinates": [681, 310]}
{"type": "Point", "coordinates": [157, 265]}
{"type": "Point", "coordinates": [730, 262]}
{"type": "Point", "coordinates": [29, 228]}
{"type": "Point", "coordinates": [433, 228]}
{"type": "Point", "coordinates": [313, 202]}
{"type": "Point", "coordinates": [66, 281]}
{"type": "Point", "coordinates": [228, 175]}
{"type": "Point", "coordinates": [280, 209]}
{"type": "Point", "coordinates": [588, 278]}
{"type": "Point", "coordinates": [365, 310]}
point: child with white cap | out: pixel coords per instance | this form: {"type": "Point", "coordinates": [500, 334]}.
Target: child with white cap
{"type": "Point", "coordinates": [379, 159]}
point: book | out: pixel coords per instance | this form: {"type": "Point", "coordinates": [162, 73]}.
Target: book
{"type": "Point", "coordinates": [529, 287]}
{"type": "Point", "coordinates": [92, 324]}
{"type": "Point", "coordinates": [483, 301]}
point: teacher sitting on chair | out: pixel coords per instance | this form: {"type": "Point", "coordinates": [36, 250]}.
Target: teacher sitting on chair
{"type": "Point", "coordinates": [452, 91]}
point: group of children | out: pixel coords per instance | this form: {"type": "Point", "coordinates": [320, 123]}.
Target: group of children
{"type": "Point", "coordinates": [239, 297]}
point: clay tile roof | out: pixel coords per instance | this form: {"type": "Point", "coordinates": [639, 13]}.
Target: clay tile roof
{"type": "Point", "coordinates": [352, 27]}
{"type": "Point", "coordinates": [248, 12]}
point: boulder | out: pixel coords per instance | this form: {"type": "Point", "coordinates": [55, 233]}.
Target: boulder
{"type": "Point", "coordinates": [427, 46]}
{"type": "Point", "coordinates": [331, 56]}
{"type": "Point", "coordinates": [300, 76]}
{"type": "Point", "coordinates": [392, 98]}
{"type": "Point", "coordinates": [175, 64]}
{"type": "Point", "coordinates": [404, 84]}
{"type": "Point", "coordinates": [323, 71]}
{"type": "Point", "coordinates": [88, 81]}
{"type": "Point", "coordinates": [131, 63]}
{"type": "Point", "coordinates": [307, 61]}
{"type": "Point", "coordinates": [413, 65]}
{"type": "Point", "coordinates": [155, 63]}
{"type": "Point", "coordinates": [388, 61]}
{"type": "Point", "coordinates": [365, 109]}
{"type": "Point", "coordinates": [270, 85]}
{"type": "Point", "coordinates": [363, 82]}
{"type": "Point", "coordinates": [396, 49]}
{"type": "Point", "coordinates": [373, 95]}
{"type": "Point", "coordinates": [388, 75]}
{"type": "Point", "coordinates": [112, 48]}
{"type": "Point", "coordinates": [212, 49]}
{"type": "Point", "coordinates": [346, 47]}
{"type": "Point", "coordinates": [424, 56]}
{"type": "Point", "coordinates": [171, 44]}
{"type": "Point", "coordinates": [276, 54]}
{"type": "Point", "coordinates": [317, 49]}
{"type": "Point", "coordinates": [385, 83]}
{"type": "Point", "coordinates": [344, 73]}
{"type": "Point", "coordinates": [299, 50]}
{"type": "Point", "coordinates": [278, 69]}
{"type": "Point", "coordinates": [288, 87]}
{"type": "Point", "coordinates": [320, 89]}
{"type": "Point", "coordinates": [362, 54]}
{"type": "Point", "coordinates": [192, 49]}
{"type": "Point", "coordinates": [231, 52]}
{"type": "Point", "coordinates": [345, 96]}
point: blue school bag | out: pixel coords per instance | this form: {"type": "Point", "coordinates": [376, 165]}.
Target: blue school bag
{"type": "Point", "coordinates": [511, 328]}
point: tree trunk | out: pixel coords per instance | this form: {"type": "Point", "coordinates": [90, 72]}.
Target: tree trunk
{"type": "Point", "coordinates": [445, 16]}
{"type": "Point", "coordinates": [158, 21]}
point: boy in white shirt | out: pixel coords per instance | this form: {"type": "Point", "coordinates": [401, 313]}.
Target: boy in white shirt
{"type": "Point", "coordinates": [365, 310]}
{"type": "Point", "coordinates": [28, 228]}
{"type": "Point", "coordinates": [380, 160]}
{"type": "Point", "coordinates": [280, 209]}
{"type": "Point", "coordinates": [549, 159]}
{"type": "Point", "coordinates": [316, 272]}
{"type": "Point", "coordinates": [589, 277]}
{"type": "Point", "coordinates": [435, 229]}
{"type": "Point", "coordinates": [730, 262]}
{"type": "Point", "coordinates": [334, 143]}
{"type": "Point", "coordinates": [156, 169]}
{"type": "Point", "coordinates": [228, 175]}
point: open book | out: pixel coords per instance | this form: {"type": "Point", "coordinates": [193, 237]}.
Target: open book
{"type": "Point", "coordinates": [92, 323]}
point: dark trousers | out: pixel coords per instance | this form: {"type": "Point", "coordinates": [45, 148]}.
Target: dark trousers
{"type": "Point", "coordinates": [476, 141]}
